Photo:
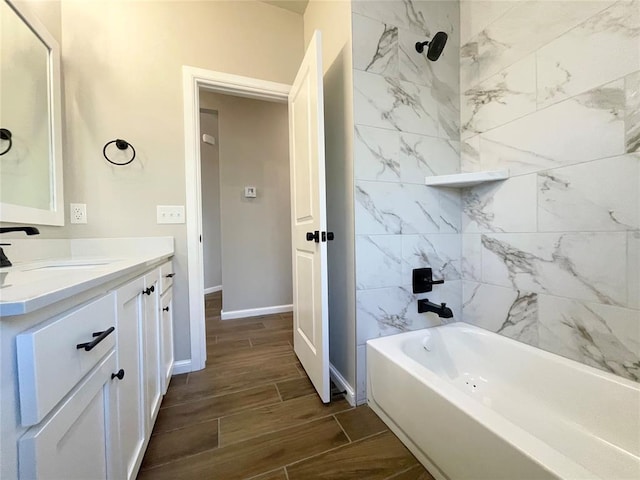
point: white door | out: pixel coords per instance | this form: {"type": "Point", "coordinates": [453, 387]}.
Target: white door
{"type": "Point", "coordinates": [309, 219]}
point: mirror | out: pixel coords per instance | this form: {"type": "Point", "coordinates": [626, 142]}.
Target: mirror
{"type": "Point", "coordinates": [30, 121]}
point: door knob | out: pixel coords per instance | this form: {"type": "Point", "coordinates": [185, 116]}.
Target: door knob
{"type": "Point", "coordinates": [165, 309]}
{"type": "Point", "coordinates": [119, 375]}
{"type": "Point", "coordinates": [327, 236]}
{"type": "Point", "coordinates": [315, 236]}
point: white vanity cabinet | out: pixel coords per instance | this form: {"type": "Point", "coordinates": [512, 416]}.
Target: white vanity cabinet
{"type": "Point", "coordinates": [151, 348]}
{"type": "Point", "coordinates": [66, 385]}
{"type": "Point", "coordinates": [83, 379]}
{"type": "Point", "coordinates": [138, 346]}
{"type": "Point", "coordinates": [79, 440]}
{"type": "Point", "coordinates": [130, 391]}
{"type": "Point", "coordinates": [166, 324]}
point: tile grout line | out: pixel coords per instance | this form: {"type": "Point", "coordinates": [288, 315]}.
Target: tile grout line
{"type": "Point", "coordinates": [331, 450]}
{"type": "Point", "coordinates": [290, 426]}
{"type": "Point", "coordinates": [226, 393]}
{"type": "Point", "coordinates": [342, 428]}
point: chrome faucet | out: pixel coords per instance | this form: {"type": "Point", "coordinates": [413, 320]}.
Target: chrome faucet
{"type": "Point", "coordinates": [442, 310]}
{"type": "Point", "coordinates": [4, 261]}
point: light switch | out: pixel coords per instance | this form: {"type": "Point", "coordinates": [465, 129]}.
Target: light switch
{"type": "Point", "coordinates": [170, 213]}
{"type": "Point", "coordinates": [250, 192]}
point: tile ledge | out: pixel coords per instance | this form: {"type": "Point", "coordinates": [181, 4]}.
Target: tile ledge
{"type": "Point", "coordinates": [463, 180]}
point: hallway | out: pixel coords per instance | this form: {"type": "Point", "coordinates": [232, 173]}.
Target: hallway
{"type": "Point", "coordinates": [253, 414]}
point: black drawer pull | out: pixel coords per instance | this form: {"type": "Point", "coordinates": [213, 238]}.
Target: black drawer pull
{"type": "Point", "coordinates": [119, 375]}
{"type": "Point", "coordinates": [149, 291]}
{"type": "Point", "coordinates": [165, 309]}
{"type": "Point", "coordinates": [100, 336]}
{"type": "Point", "coordinates": [170, 275]}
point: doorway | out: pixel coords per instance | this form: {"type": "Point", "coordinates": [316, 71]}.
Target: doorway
{"type": "Point", "coordinates": [196, 80]}
{"type": "Point", "coordinates": [246, 210]}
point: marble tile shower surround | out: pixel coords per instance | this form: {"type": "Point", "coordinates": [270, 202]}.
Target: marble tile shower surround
{"type": "Point", "coordinates": [551, 91]}
{"type": "Point", "coordinates": [407, 115]}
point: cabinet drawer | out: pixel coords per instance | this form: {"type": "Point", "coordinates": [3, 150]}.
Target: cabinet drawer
{"type": "Point", "coordinates": [50, 363]}
{"type": "Point", "coordinates": [166, 276]}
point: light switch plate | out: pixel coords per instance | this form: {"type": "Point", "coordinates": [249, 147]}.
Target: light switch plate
{"type": "Point", "coordinates": [170, 213]}
{"type": "Point", "coordinates": [250, 192]}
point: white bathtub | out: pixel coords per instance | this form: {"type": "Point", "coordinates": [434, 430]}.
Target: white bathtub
{"type": "Point", "coordinates": [481, 406]}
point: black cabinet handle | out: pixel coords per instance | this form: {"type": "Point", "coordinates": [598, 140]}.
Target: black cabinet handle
{"type": "Point", "coordinates": [170, 275]}
{"type": "Point", "coordinates": [330, 236]}
{"type": "Point", "coordinates": [165, 309]}
{"type": "Point", "coordinates": [119, 375]}
{"type": "Point", "coordinates": [313, 236]}
{"type": "Point", "coordinates": [100, 336]}
{"type": "Point", "coordinates": [149, 291]}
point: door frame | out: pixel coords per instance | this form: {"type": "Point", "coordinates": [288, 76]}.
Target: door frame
{"type": "Point", "coordinates": [193, 80]}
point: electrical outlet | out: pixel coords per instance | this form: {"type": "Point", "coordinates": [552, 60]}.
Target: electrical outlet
{"type": "Point", "coordinates": [78, 212]}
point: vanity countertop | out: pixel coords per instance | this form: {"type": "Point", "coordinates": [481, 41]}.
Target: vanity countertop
{"type": "Point", "coordinates": [29, 286]}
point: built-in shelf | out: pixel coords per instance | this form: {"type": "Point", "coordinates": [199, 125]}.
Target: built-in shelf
{"type": "Point", "coordinates": [463, 180]}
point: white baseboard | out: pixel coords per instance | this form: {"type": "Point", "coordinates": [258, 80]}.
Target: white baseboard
{"type": "Point", "coordinates": [342, 384]}
{"type": "Point", "coordinates": [254, 312]}
{"type": "Point", "coordinates": [213, 289]}
{"type": "Point", "coordinates": [182, 366]}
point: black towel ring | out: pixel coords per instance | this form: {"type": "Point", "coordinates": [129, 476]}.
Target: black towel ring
{"type": "Point", "coordinates": [5, 134]}
{"type": "Point", "coordinates": [121, 145]}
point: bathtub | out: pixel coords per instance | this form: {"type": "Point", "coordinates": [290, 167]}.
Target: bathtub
{"type": "Point", "coordinates": [471, 404]}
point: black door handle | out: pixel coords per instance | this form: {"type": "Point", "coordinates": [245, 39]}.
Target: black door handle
{"type": "Point", "coordinates": [315, 236]}
{"type": "Point", "coordinates": [327, 236]}
{"type": "Point", "coordinates": [170, 275]}
{"type": "Point", "coordinates": [100, 336]}
{"type": "Point", "coordinates": [119, 375]}
{"type": "Point", "coordinates": [165, 309]}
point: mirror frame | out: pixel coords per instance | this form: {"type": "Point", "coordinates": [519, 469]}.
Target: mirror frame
{"type": "Point", "coordinates": [54, 216]}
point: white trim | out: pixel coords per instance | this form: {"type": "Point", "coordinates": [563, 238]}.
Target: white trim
{"type": "Point", "coordinates": [193, 80]}
{"type": "Point", "coordinates": [342, 384]}
{"type": "Point", "coordinates": [213, 289]}
{"type": "Point", "coordinates": [254, 312]}
{"type": "Point", "coordinates": [182, 366]}
{"type": "Point", "coordinates": [54, 215]}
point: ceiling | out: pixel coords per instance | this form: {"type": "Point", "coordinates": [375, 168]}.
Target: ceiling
{"type": "Point", "coordinates": [296, 6]}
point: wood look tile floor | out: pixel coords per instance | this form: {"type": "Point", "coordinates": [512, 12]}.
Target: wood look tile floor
{"type": "Point", "coordinates": [252, 413]}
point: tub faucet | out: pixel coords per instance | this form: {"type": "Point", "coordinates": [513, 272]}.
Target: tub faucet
{"type": "Point", "coordinates": [4, 261]}
{"type": "Point", "coordinates": [442, 310]}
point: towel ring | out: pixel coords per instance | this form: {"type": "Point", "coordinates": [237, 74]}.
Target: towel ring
{"type": "Point", "coordinates": [5, 134]}
{"type": "Point", "coordinates": [121, 145]}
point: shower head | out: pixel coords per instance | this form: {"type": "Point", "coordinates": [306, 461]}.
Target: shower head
{"type": "Point", "coordinates": [436, 45]}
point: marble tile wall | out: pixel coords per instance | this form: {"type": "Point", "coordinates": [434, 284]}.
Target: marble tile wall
{"type": "Point", "coordinates": [551, 91]}
{"type": "Point", "coordinates": [407, 126]}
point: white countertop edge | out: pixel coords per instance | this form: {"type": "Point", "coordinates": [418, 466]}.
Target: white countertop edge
{"type": "Point", "coordinates": [94, 279]}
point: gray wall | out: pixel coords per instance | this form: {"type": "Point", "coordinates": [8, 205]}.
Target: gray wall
{"type": "Point", "coordinates": [552, 255]}
{"type": "Point", "coordinates": [210, 179]}
{"type": "Point", "coordinates": [406, 112]}
{"type": "Point", "coordinates": [256, 232]}
{"type": "Point", "coordinates": [130, 86]}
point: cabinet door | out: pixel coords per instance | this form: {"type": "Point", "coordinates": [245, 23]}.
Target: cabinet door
{"type": "Point", "coordinates": [79, 438]}
{"type": "Point", "coordinates": [130, 390]}
{"type": "Point", "coordinates": [166, 336]}
{"type": "Point", "coordinates": [151, 333]}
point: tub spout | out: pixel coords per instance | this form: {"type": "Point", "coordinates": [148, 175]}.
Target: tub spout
{"type": "Point", "coordinates": [442, 310]}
